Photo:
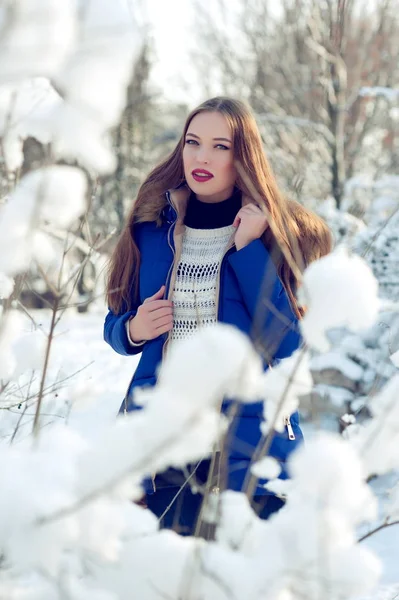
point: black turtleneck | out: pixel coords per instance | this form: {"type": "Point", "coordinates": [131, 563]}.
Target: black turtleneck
{"type": "Point", "coordinates": [212, 215]}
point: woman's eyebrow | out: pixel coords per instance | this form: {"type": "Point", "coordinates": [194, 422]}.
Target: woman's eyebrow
{"type": "Point", "coordinates": [217, 139]}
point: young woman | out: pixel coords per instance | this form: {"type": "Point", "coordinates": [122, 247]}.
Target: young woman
{"type": "Point", "coordinates": [210, 238]}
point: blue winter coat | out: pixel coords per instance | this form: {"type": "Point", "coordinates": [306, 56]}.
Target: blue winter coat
{"type": "Point", "coordinates": [257, 304]}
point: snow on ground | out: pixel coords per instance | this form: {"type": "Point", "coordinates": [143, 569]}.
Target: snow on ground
{"type": "Point", "coordinates": [80, 343]}
{"type": "Point", "coordinates": [99, 390]}
{"type": "Point", "coordinates": [89, 378]}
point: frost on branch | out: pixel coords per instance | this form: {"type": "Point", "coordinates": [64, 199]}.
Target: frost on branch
{"type": "Point", "coordinates": [48, 473]}
{"type": "Point", "coordinates": [379, 243]}
{"type": "Point", "coordinates": [308, 549]}
{"type": "Point", "coordinates": [10, 329]}
{"type": "Point", "coordinates": [6, 286]}
{"type": "Point", "coordinates": [88, 53]}
{"type": "Point", "coordinates": [378, 442]}
{"type": "Point", "coordinates": [24, 112]}
{"type": "Point", "coordinates": [282, 386]}
{"type": "Point", "coordinates": [51, 22]}
{"type": "Point", "coordinates": [339, 290]}
{"type": "Point", "coordinates": [395, 358]}
{"type": "Point", "coordinates": [180, 420]}
{"type": "Point", "coordinates": [21, 350]}
{"type": "Point", "coordinates": [222, 358]}
{"type": "Point", "coordinates": [95, 483]}
{"type": "Point", "coordinates": [390, 94]}
{"type": "Point", "coordinates": [55, 195]}
{"type": "Point", "coordinates": [266, 468]}
{"type": "Point", "coordinates": [94, 81]}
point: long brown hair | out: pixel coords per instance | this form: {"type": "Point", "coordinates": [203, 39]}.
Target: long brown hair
{"type": "Point", "coordinates": [314, 239]}
{"type": "Point", "coordinates": [256, 181]}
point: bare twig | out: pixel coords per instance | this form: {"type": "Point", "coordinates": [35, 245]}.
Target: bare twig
{"type": "Point", "coordinates": [45, 367]}
{"type": "Point", "coordinates": [142, 466]}
{"type": "Point", "coordinates": [265, 442]}
{"type": "Point", "coordinates": [377, 529]}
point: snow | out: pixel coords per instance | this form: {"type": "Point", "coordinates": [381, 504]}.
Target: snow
{"type": "Point", "coordinates": [68, 185]}
{"type": "Point", "coordinates": [338, 395]}
{"type": "Point", "coordinates": [335, 360]}
{"type": "Point", "coordinates": [55, 195]}
{"type": "Point", "coordinates": [337, 290]}
{"type": "Point", "coordinates": [395, 358]}
{"type": "Point", "coordinates": [266, 468]}
{"type": "Point", "coordinates": [281, 399]}
{"type": "Point", "coordinates": [67, 521]}
{"type": "Point", "coordinates": [231, 366]}
{"type": "Point", "coordinates": [89, 56]}
{"type": "Point", "coordinates": [90, 401]}
{"type": "Point", "coordinates": [378, 441]}
{"type": "Point", "coordinates": [385, 543]}
{"type": "Point", "coordinates": [379, 244]}
{"type": "Point", "coordinates": [310, 546]}
{"type": "Point", "coordinates": [51, 22]}
{"type": "Point", "coordinates": [95, 78]}
{"type": "Point", "coordinates": [11, 327]}
{"type": "Point", "coordinates": [80, 344]}
{"type": "Point", "coordinates": [390, 94]}
{"type": "Point", "coordinates": [6, 286]}
{"type": "Point", "coordinates": [24, 108]}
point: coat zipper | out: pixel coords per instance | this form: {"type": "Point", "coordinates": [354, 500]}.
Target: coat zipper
{"type": "Point", "coordinates": [287, 423]}
{"type": "Point", "coordinates": [171, 268]}
{"type": "Point", "coordinates": [172, 226]}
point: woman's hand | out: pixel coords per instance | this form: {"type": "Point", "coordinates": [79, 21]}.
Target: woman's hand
{"type": "Point", "coordinates": [154, 317]}
{"type": "Point", "coordinates": [251, 223]}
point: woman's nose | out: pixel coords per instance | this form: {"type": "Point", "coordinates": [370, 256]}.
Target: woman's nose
{"type": "Point", "coordinates": [203, 155]}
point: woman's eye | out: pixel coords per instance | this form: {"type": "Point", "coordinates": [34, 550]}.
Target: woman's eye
{"type": "Point", "coordinates": [195, 143]}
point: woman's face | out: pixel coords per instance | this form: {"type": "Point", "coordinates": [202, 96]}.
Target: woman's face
{"type": "Point", "coordinates": [208, 157]}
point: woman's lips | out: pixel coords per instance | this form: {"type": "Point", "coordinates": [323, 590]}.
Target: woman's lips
{"type": "Point", "coordinates": [201, 175]}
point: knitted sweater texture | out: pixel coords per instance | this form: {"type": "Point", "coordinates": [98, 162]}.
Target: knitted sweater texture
{"type": "Point", "coordinates": [208, 234]}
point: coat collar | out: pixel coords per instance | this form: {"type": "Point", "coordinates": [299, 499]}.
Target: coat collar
{"type": "Point", "coordinates": [179, 200]}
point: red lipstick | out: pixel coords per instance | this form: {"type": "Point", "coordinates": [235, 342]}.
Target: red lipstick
{"type": "Point", "coordinates": [201, 175]}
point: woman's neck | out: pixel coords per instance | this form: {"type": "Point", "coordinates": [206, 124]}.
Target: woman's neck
{"type": "Point", "coordinates": [216, 198]}
{"type": "Point", "coordinates": [203, 215]}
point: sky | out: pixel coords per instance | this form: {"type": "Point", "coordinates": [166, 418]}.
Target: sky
{"type": "Point", "coordinates": [170, 24]}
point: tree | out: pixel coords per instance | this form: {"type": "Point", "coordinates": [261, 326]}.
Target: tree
{"type": "Point", "coordinates": [302, 71]}
{"type": "Point", "coordinates": [133, 143]}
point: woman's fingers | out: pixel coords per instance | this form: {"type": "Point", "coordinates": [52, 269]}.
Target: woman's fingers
{"type": "Point", "coordinates": [248, 209]}
{"type": "Point", "coordinates": [252, 209]}
{"type": "Point", "coordinates": [160, 313]}
{"type": "Point", "coordinates": [163, 321]}
{"type": "Point", "coordinates": [157, 296]}
{"type": "Point", "coordinates": [154, 317]}
{"type": "Point", "coordinates": [157, 304]}
{"type": "Point", "coordinates": [237, 220]}
{"type": "Point", "coordinates": [165, 328]}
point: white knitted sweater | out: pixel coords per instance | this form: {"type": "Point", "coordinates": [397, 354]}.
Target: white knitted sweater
{"type": "Point", "coordinates": [194, 292]}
